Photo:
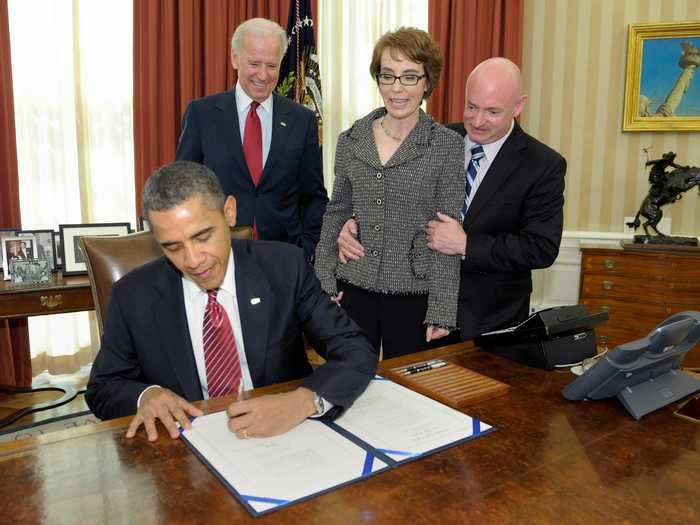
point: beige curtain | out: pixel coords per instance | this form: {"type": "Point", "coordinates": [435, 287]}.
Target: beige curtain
{"type": "Point", "coordinates": [347, 32]}
{"type": "Point", "coordinates": [72, 76]}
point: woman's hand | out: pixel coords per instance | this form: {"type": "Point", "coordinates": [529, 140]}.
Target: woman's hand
{"type": "Point", "coordinates": [435, 332]}
{"type": "Point", "coordinates": [337, 298]}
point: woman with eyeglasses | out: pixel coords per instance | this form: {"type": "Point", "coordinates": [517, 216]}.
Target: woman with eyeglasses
{"type": "Point", "coordinates": [394, 170]}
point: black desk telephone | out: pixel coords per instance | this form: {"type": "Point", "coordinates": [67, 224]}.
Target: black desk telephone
{"type": "Point", "coordinates": [552, 337]}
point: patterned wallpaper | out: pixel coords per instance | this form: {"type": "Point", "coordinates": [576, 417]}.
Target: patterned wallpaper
{"type": "Point", "coordinates": [574, 61]}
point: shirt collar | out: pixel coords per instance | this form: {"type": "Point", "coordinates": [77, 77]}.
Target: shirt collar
{"type": "Point", "coordinates": [243, 100]}
{"type": "Point", "coordinates": [491, 149]}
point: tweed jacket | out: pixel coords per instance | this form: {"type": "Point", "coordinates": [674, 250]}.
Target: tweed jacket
{"type": "Point", "coordinates": [392, 204]}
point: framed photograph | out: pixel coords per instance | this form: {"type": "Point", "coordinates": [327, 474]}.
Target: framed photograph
{"type": "Point", "coordinates": [30, 271]}
{"type": "Point", "coordinates": [660, 92]}
{"type": "Point", "coordinates": [17, 249]}
{"type": "Point", "coordinates": [72, 255]}
{"type": "Point", "coordinates": [57, 249]}
{"type": "Point", "coordinates": [144, 225]}
{"type": "Point", "coordinates": [44, 245]}
{"type": "Point", "coordinates": [5, 232]}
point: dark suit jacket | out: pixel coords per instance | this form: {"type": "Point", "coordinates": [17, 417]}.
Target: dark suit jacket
{"type": "Point", "coordinates": [513, 225]}
{"type": "Point", "coordinates": [290, 200]}
{"type": "Point", "coordinates": [146, 339]}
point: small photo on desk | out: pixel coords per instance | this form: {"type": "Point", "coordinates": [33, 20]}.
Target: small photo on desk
{"type": "Point", "coordinates": [6, 232]}
{"type": "Point", "coordinates": [17, 249]}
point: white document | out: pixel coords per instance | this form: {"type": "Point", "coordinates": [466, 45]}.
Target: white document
{"type": "Point", "coordinates": [403, 424]}
{"type": "Point", "coordinates": [266, 473]}
{"type": "Point", "coordinates": [387, 425]}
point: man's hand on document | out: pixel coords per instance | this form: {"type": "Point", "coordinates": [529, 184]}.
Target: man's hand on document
{"type": "Point", "coordinates": [158, 403]}
{"type": "Point", "coordinates": [270, 415]}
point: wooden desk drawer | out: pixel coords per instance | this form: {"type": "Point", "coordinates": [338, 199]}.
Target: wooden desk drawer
{"type": "Point", "coordinates": [625, 288]}
{"type": "Point", "coordinates": [630, 315]}
{"type": "Point", "coordinates": [42, 302]}
{"type": "Point", "coordinates": [612, 337]}
{"type": "Point", "coordinates": [632, 265]}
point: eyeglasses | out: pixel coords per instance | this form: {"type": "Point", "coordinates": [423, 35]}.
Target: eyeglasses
{"type": "Point", "coordinates": [405, 80]}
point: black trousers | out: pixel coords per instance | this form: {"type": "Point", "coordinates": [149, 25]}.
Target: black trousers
{"type": "Point", "coordinates": [394, 321]}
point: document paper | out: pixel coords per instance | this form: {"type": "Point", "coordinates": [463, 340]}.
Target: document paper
{"type": "Point", "coordinates": [266, 473]}
{"type": "Point", "coordinates": [403, 424]}
{"type": "Point", "coordinates": [386, 426]}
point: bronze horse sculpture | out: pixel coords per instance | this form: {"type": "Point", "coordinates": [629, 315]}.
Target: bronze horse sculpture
{"type": "Point", "coordinates": [666, 187]}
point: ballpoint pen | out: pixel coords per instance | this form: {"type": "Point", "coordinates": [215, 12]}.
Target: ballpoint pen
{"type": "Point", "coordinates": [425, 367]}
{"type": "Point", "coordinates": [418, 365]}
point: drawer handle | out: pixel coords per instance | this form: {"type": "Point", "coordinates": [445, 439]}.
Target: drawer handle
{"type": "Point", "coordinates": [603, 339]}
{"type": "Point", "coordinates": [605, 308]}
{"type": "Point", "coordinates": [607, 285]}
{"type": "Point", "coordinates": [609, 264]}
{"type": "Point", "coordinates": [51, 301]}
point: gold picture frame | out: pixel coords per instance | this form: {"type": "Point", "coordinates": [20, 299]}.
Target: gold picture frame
{"type": "Point", "coordinates": [660, 91]}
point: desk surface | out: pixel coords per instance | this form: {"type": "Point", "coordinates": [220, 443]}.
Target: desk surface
{"type": "Point", "coordinates": [550, 461]}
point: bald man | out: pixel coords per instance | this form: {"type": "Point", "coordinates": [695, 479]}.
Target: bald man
{"type": "Point", "coordinates": [512, 216]}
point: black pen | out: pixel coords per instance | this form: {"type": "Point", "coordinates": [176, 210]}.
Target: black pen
{"type": "Point", "coordinates": [419, 365]}
{"type": "Point", "coordinates": [425, 367]}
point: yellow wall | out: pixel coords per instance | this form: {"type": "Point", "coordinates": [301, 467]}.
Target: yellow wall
{"type": "Point", "coordinates": [574, 60]}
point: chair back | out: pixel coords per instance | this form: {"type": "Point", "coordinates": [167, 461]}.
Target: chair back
{"type": "Point", "coordinates": [108, 259]}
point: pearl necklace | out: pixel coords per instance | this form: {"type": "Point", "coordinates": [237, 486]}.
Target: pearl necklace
{"type": "Point", "coordinates": [388, 132]}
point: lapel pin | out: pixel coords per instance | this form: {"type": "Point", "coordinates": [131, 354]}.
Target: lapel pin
{"type": "Point", "coordinates": [283, 124]}
{"type": "Point", "coordinates": [255, 300]}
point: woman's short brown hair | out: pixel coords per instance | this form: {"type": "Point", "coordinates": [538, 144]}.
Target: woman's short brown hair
{"type": "Point", "coordinates": [417, 46]}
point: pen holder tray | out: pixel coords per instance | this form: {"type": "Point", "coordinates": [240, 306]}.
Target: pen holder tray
{"type": "Point", "coordinates": [451, 384]}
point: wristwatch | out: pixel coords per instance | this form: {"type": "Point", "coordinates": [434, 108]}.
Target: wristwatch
{"type": "Point", "coordinates": [319, 404]}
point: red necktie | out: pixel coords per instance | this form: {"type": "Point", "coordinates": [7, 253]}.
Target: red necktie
{"type": "Point", "coordinates": [220, 354]}
{"type": "Point", "coordinates": [252, 148]}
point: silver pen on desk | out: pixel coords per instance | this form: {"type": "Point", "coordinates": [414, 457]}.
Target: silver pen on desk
{"type": "Point", "coordinates": [423, 363]}
{"type": "Point", "coordinates": [425, 367]}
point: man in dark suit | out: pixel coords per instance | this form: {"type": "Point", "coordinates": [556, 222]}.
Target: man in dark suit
{"type": "Point", "coordinates": [513, 212]}
{"type": "Point", "coordinates": [213, 318]}
{"type": "Point", "coordinates": [268, 158]}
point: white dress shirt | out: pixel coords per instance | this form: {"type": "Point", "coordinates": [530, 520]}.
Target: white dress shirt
{"type": "Point", "coordinates": [490, 152]}
{"type": "Point", "coordinates": [196, 299]}
{"type": "Point", "coordinates": [264, 114]}
{"type": "Point", "coordinates": [196, 304]}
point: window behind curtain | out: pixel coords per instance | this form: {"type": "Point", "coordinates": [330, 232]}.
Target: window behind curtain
{"type": "Point", "coordinates": [72, 74]}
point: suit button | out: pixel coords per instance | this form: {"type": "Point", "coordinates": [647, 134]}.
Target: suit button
{"type": "Point", "coordinates": [375, 253]}
{"type": "Point", "coordinates": [379, 176]}
{"type": "Point", "coordinates": [379, 202]}
{"type": "Point", "coordinates": [377, 227]}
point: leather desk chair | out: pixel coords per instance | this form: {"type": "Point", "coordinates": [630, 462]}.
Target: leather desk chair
{"type": "Point", "coordinates": [108, 259]}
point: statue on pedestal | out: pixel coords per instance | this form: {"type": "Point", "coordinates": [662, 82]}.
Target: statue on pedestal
{"type": "Point", "coordinates": [665, 187]}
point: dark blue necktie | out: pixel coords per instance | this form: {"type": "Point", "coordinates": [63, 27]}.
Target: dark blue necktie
{"type": "Point", "coordinates": [477, 154]}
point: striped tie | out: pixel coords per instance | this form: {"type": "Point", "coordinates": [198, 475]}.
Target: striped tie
{"type": "Point", "coordinates": [477, 154]}
{"type": "Point", "coordinates": [220, 354]}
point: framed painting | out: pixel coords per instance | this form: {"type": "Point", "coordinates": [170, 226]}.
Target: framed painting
{"type": "Point", "coordinates": [660, 91]}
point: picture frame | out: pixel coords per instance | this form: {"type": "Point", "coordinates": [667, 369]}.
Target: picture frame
{"type": "Point", "coordinates": [72, 255]}
{"type": "Point", "coordinates": [143, 224]}
{"type": "Point", "coordinates": [14, 249]}
{"type": "Point", "coordinates": [44, 245]}
{"type": "Point", "coordinates": [30, 271]}
{"type": "Point", "coordinates": [6, 232]}
{"type": "Point", "coordinates": [660, 92]}
{"type": "Point", "coordinates": [57, 249]}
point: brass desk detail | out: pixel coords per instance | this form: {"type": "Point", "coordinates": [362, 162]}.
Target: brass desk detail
{"type": "Point", "coordinates": [61, 295]}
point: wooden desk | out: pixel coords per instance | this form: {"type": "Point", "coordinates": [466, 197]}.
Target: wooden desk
{"type": "Point", "coordinates": [550, 461]}
{"type": "Point", "coordinates": [61, 295]}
